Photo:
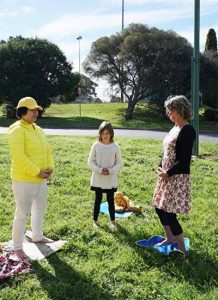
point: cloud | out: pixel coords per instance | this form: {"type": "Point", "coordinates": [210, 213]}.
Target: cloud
{"type": "Point", "coordinates": [71, 51]}
{"type": "Point", "coordinates": [23, 10]}
{"type": "Point", "coordinates": [26, 10]}
{"type": "Point", "coordinates": [176, 3]}
{"type": "Point", "coordinates": [68, 24]}
{"type": "Point", "coordinates": [95, 24]}
{"type": "Point", "coordinates": [88, 24]}
{"type": "Point", "coordinates": [206, 6]}
{"type": "Point", "coordinates": [189, 35]}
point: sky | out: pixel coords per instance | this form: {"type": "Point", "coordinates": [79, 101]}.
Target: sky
{"type": "Point", "coordinates": [62, 21]}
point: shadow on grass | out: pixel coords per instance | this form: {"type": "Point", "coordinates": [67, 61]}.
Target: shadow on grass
{"type": "Point", "coordinates": [59, 121]}
{"type": "Point", "coordinates": [66, 283]}
{"type": "Point", "coordinates": [199, 270]}
{"type": "Point", "coordinates": [70, 121]}
{"type": "Point", "coordinates": [145, 118]}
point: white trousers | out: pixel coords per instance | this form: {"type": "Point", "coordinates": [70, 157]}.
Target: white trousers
{"type": "Point", "coordinates": [29, 198]}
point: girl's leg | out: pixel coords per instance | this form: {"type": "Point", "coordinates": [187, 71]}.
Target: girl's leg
{"type": "Point", "coordinates": [24, 195]}
{"type": "Point", "coordinates": [39, 207]}
{"type": "Point", "coordinates": [164, 221]}
{"type": "Point", "coordinates": [111, 207]}
{"type": "Point", "coordinates": [98, 199]}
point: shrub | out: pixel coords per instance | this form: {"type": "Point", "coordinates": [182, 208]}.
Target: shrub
{"type": "Point", "coordinates": [211, 114]}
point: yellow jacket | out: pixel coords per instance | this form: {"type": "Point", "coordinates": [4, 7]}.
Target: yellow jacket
{"type": "Point", "coordinates": [30, 152]}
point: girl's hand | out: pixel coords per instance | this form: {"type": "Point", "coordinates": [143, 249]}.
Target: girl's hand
{"type": "Point", "coordinates": [162, 173]}
{"type": "Point", "coordinates": [105, 172]}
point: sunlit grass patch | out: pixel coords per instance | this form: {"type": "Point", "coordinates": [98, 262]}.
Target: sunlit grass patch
{"type": "Point", "coordinates": [104, 264]}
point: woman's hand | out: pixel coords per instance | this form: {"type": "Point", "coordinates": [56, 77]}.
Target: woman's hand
{"type": "Point", "coordinates": [45, 173]}
{"type": "Point", "coordinates": [49, 172]}
{"type": "Point", "coordinates": [162, 173]}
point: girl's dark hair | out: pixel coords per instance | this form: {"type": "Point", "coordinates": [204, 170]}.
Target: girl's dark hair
{"type": "Point", "coordinates": [21, 111]}
{"type": "Point", "coordinates": [181, 104]}
{"type": "Point", "coordinates": [106, 126]}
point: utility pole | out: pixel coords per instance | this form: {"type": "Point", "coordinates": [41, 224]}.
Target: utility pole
{"type": "Point", "coordinates": [195, 76]}
{"type": "Point", "coordinates": [122, 14]}
{"type": "Point", "coordinates": [79, 87]}
{"type": "Point", "coordinates": [121, 93]}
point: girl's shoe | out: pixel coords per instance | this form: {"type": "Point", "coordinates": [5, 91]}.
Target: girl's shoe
{"type": "Point", "coordinates": [113, 226]}
{"type": "Point", "coordinates": [95, 224]}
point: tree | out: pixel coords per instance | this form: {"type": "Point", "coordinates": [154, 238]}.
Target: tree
{"type": "Point", "coordinates": [145, 63]}
{"type": "Point", "coordinates": [209, 79]}
{"type": "Point", "coordinates": [211, 41]}
{"type": "Point", "coordinates": [32, 67]}
{"type": "Point", "coordinates": [86, 85]}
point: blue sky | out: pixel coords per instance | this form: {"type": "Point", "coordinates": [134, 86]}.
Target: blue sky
{"type": "Point", "coordinates": [62, 21]}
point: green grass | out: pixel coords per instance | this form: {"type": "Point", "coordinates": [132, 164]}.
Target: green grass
{"type": "Point", "coordinates": [93, 114]}
{"type": "Point", "coordinates": [104, 264]}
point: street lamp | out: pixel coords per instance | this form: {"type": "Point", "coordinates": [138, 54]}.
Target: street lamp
{"type": "Point", "coordinates": [121, 94]}
{"type": "Point", "coordinates": [79, 87]}
{"type": "Point", "coordinates": [122, 14]}
{"type": "Point", "coordinates": [195, 76]}
{"type": "Point", "coordinates": [79, 38]}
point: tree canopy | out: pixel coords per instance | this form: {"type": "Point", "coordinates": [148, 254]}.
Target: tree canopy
{"type": "Point", "coordinates": [32, 67]}
{"type": "Point", "coordinates": [211, 41]}
{"type": "Point", "coordinates": [86, 85]}
{"type": "Point", "coordinates": [209, 79]}
{"type": "Point", "coordinates": [145, 63]}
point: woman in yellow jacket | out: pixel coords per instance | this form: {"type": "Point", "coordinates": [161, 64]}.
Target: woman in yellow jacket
{"type": "Point", "coordinates": [32, 165]}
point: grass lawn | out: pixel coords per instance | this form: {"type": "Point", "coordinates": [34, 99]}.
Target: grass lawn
{"type": "Point", "coordinates": [102, 264]}
{"type": "Point", "coordinates": [93, 114]}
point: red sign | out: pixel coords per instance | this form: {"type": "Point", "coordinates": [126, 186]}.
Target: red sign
{"type": "Point", "coordinates": [79, 91]}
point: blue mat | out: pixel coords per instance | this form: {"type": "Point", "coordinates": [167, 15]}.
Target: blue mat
{"type": "Point", "coordinates": [104, 210]}
{"type": "Point", "coordinates": [166, 249]}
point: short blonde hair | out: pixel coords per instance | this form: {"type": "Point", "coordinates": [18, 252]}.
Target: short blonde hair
{"type": "Point", "coordinates": [181, 104]}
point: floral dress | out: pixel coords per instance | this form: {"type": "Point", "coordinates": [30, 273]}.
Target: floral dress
{"type": "Point", "coordinates": [172, 194]}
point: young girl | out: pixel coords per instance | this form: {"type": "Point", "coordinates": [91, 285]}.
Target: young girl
{"type": "Point", "coordinates": [105, 163]}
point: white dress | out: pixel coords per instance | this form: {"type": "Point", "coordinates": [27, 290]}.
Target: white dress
{"type": "Point", "coordinates": [104, 156]}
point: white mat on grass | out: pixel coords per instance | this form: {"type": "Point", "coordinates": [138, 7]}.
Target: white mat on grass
{"type": "Point", "coordinates": [37, 251]}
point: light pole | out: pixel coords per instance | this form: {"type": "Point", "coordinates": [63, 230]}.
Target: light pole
{"type": "Point", "coordinates": [195, 77]}
{"type": "Point", "coordinates": [121, 94]}
{"type": "Point", "coordinates": [122, 14]}
{"type": "Point", "coordinates": [79, 39]}
{"type": "Point", "coordinates": [79, 87]}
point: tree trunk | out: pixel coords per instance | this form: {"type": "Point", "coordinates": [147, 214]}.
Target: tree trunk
{"type": "Point", "coordinates": [129, 111]}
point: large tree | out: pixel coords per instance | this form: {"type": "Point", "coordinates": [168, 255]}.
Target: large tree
{"type": "Point", "coordinates": [143, 62]}
{"type": "Point", "coordinates": [209, 79]}
{"type": "Point", "coordinates": [86, 85]}
{"type": "Point", "coordinates": [211, 41]}
{"type": "Point", "coordinates": [32, 67]}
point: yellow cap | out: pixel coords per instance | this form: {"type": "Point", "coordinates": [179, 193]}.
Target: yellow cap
{"type": "Point", "coordinates": [29, 103]}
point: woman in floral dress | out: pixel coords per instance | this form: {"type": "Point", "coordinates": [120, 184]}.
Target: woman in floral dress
{"type": "Point", "coordinates": [172, 194]}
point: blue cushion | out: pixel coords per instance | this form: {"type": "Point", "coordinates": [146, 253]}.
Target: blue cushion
{"type": "Point", "coordinates": [166, 249]}
{"type": "Point", "coordinates": [104, 210]}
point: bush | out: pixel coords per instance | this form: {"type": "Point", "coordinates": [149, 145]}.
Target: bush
{"type": "Point", "coordinates": [9, 110]}
{"type": "Point", "coordinates": [211, 114]}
